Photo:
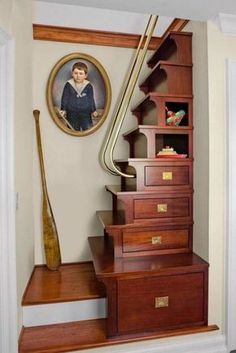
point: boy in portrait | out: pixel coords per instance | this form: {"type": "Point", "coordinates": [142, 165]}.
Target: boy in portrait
{"type": "Point", "coordinates": [77, 102]}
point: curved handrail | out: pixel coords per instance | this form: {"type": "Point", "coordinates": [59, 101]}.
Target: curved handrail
{"type": "Point", "coordinates": [113, 133]}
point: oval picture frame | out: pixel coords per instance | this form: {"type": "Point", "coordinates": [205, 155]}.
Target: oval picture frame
{"type": "Point", "coordinates": [101, 88]}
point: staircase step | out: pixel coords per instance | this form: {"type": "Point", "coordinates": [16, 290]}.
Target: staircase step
{"type": "Point", "coordinates": [70, 294]}
{"type": "Point", "coordinates": [170, 78]}
{"type": "Point", "coordinates": [86, 334]}
{"type": "Point", "coordinates": [72, 282]}
{"type": "Point", "coordinates": [175, 46]}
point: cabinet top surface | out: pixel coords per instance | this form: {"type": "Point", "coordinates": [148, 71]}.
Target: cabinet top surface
{"type": "Point", "coordinates": [106, 266]}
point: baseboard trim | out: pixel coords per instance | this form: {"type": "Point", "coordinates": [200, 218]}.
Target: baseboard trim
{"type": "Point", "coordinates": [209, 342]}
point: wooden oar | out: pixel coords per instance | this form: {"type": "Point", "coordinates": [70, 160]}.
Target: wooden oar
{"type": "Point", "coordinates": [50, 235]}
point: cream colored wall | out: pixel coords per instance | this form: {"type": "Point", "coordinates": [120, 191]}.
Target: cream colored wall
{"type": "Point", "coordinates": [15, 19]}
{"type": "Point", "coordinates": [22, 31]}
{"type": "Point", "coordinates": [220, 48]}
{"type": "Point", "coordinates": [210, 50]}
{"type": "Point", "coordinates": [75, 178]}
{"type": "Point", "coordinates": [201, 137]}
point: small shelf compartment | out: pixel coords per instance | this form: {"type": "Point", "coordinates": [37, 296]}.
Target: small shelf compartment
{"type": "Point", "coordinates": [151, 110]}
{"type": "Point", "coordinates": [179, 142]}
{"type": "Point", "coordinates": [146, 141]}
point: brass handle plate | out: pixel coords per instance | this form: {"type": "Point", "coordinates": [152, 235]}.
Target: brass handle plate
{"type": "Point", "coordinates": [156, 240]}
{"type": "Point", "coordinates": [167, 176]}
{"type": "Point", "coordinates": [162, 207]}
{"type": "Point", "coordinates": [161, 302]}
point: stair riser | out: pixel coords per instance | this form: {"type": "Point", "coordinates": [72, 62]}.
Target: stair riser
{"type": "Point", "coordinates": [46, 314]}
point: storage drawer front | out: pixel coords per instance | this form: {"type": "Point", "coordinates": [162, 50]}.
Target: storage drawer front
{"type": "Point", "coordinates": [163, 207]}
{"type": "Point", "coordinates": [155, 240]}
{"type": "Point", "coordinates": [160, 302]}
{"type": "Point", "coordinates": [158, 176]}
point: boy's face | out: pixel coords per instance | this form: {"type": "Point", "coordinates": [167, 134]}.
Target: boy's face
{"type": "Point", "coordinates": [79, 75]}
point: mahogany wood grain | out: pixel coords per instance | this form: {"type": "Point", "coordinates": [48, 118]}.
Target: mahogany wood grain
{"type": "Point", "coordinates": [76, 281]}
{"type": "Point", "coordinates": [175, 47]}
{"type": "Point", "coordinates": [95, 37]}
{"type": "Point", "coordinates": [159, 102]}
{"type": "Point", "coordinates": [107, 266]}
{"type": "Point", "coordinates": [132, 285]}
{"type": "Point", "coordinates": [88, 36]}
{"type": "Point", "coordinates": [156, 139]}
{"type": "Point", "coordinates": [149, 174]}
{"type": "Point", "coordinates": [149, 208]}
{"type": "Point", "coordinates": [185, 306]}
{"type": "Point", "coordinates": [109, 218]}
{"type": "Point", "coordinates": [67, 337]}
{"type": "Point", "coordinates": [168, 77]}
{"type": "Point", "coordinates": [176, 25]}
{"type": "Point", "coordinates": [143, 240]}
{"type": "Point", "coordinates": [133, 240]}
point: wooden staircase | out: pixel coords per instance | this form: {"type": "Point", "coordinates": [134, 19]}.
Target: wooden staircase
{"type": "Point", "coordinates": [155, 286]}
{"type": "Point", "coordinates": [154, 282]}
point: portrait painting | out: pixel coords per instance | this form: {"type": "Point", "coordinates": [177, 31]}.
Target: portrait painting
{"type": "Point", "coordinates": [78, 94]}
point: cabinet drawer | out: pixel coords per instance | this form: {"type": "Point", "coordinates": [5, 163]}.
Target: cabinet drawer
{"type": "Point", "coordinates": [162, 207]}
{"type": "Point", "coordinates": [155, 240]}
{"type": "Point", "coordinates": [161, 302]}
{"type": "Point", "coordinates": [165, 175]}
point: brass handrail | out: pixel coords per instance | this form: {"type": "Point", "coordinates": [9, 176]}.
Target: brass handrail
{"type": "Point", "coordinates": [107, 150]}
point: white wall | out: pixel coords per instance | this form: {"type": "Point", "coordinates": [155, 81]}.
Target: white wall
{"type": "Point", "coordinates": [94, 18]}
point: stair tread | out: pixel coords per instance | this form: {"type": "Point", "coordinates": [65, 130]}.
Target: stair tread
{"type": "Point", "coordinates": [156, 128]}
{"type": "Point", "coordinates": [109, 218]}
{"type": "Point", "coordinates": [107, 266]}
{"type": "Point", "coordinates": [158, 66]}
{"type": "Point", "coordinates": [76, 281]}
{"type": "Point", "coordinates": [79, 335]}
{"type": "Point", "coordinates": [131, 189]}
{"type": "Point", "coordinates": [165, 38]}
{"type": "Point", "coordinates": [149, 96]}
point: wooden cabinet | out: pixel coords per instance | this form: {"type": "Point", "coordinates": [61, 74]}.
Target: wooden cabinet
{"type": "Point", "coordinates": [162, 302]}
{"type": "Point", "coordinates": [154, 282]}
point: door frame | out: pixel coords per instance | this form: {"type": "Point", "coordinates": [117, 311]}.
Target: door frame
{"type": "Point", "coordinates": [231, 206]}
{"type": "Point", "coordinates": [8, 287]}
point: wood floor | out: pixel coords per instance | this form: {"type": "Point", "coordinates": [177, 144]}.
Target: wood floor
{"type": "Point", "coordinates": [75, 282]}
{"type": "Point", "coordinates": [84, 334]}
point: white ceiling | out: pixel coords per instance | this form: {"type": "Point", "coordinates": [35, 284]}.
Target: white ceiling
{"type": "Point", "coordinates": [189, 9]}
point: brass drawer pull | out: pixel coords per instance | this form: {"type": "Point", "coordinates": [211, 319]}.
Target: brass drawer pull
{"type": "Point", "coordinates": [156, 240]}
{"type": "Point", "coordinates": [167, 176]}
{"type": "Point", "coordinates": [161, 302]}
{"type": "Point", "coordinates": [162, 207]}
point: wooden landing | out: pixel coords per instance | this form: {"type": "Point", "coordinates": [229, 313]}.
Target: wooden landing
{"type": "Point", "coordinates": [86, 334]}
{"type": "Point", "coordinates": [76, 281]}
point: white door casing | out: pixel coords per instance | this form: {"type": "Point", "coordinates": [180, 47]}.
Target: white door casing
{"type": "Point", "coordinates": [8, 292]}
{"type": "Point", "coordinates": [231, 206]}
